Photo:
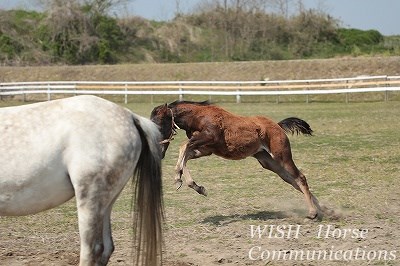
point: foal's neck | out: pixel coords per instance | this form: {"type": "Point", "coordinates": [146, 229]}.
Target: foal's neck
{"type": "Point", "coordinates": [182, 116]}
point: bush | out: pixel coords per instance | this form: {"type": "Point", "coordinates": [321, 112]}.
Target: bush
{"type": "Point", "coordinates": [351, 37]}
{"type": "Point", "coordinates": [73, 33]}
{"type": "Point", "coordinates": [9, 47]}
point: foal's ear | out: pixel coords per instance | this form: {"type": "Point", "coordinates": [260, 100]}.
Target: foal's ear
{"type": "Point", "coordinates": [164, 108]}
{"type": "Point", "coordinates": [166, 111]}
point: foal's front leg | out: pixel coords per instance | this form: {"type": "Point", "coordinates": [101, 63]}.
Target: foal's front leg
{"type": "Point", "coordinates": [179, 165]}
{"type": "Point", "coordinates": [186, 154]}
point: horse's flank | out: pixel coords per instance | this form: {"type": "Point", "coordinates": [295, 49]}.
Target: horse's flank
{"type": "Point", "coordinates": [55, 139]}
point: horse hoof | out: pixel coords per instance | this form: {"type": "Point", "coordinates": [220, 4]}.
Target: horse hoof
{"type": "Point", "coordinates": [312, 216]}
{"type": "Point", "coordinates": [178, 184]}
{"type": "Point", "coordinates": [202, 191]}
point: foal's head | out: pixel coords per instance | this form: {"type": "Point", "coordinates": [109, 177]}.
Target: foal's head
{"type": "Point", "coordinates": [162, 116]}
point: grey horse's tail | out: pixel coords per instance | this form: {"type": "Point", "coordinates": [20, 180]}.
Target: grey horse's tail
{"type": "Point", "coordinates": [149, 214]}
{"type": "Point", "coordinates": [295, 125]}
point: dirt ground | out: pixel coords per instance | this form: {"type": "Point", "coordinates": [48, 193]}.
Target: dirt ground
{"type": "Point", "coordinates": [226, 240]}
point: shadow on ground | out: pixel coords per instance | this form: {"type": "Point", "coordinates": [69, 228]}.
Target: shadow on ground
{"type": "Point", "coordinates": [227, 219]}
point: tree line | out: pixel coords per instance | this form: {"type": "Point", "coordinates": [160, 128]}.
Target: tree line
{"type": "Point", "coordinates": [84, 32]}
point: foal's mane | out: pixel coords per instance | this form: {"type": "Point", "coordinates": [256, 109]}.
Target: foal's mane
{"type": "Point", "coordinates": [178, 102]}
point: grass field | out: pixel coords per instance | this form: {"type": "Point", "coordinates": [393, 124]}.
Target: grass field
{"type": "Point", "coordinates": [352, 165]}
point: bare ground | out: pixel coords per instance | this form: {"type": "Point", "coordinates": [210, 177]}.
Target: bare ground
{"type": "Point", "coordinates": [224, 238]}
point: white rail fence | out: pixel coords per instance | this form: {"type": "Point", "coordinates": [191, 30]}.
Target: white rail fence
{"type": "Point", "coordinates": [363, 84]}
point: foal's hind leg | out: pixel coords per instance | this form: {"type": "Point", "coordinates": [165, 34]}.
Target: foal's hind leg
{"type": "Point", "coordinates": [287, 170]}
{"type": "Point", "coordinates": [186, 154]}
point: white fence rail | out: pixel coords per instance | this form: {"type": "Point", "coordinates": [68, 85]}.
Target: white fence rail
{"type": "Point", "coordinates": [237, 89]}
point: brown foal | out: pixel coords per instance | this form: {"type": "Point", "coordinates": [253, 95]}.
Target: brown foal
{"type": "Point", "coordinates": [212, 130]}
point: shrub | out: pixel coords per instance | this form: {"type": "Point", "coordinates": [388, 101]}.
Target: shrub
{"type": "Point", "coordinates": [351, 37]}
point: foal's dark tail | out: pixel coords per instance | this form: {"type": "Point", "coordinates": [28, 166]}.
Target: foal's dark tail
{"type": "Point", "coordinates": [149, 216]}
{"type": "Point", "coordinates": [295, 125]}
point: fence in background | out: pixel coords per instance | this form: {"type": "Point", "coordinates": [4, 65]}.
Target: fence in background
{"type": "Point", "coordinates": [237, 89]}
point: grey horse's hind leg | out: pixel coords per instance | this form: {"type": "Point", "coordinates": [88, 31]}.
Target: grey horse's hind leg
{"type": "Point", "coordinates": [107, 236]}
{"type": "Point", "coordinates": [90, 220]}
{"type": "Point", "coordinates": [95, 195]}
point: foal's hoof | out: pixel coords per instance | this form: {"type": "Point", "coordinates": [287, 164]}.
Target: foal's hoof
{"type": "Point", "coordinates": [202, 191]}
{"type": "Point", "coordinates": [312, 216]}
{"type": "Point", "coordinates": [178, 184]}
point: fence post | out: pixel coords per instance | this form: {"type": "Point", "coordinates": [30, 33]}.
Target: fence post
{"type": "Point", "coordinates": [48, 92]}
{"type": "Point", "coordinates": [307, 96]}
{"type": "Point", "coordinates": [277, 96]}
{"type": "Point", "coordinates": [23, 94]}
{"type": "Point", "coordinates": [209, 96]}
{"type": "Point", "coordinates": [180, 92]}
{"type": "Point", "coordinates": [387, 92]}
{"type": "Point", "coordinates": [126, 94]}
{"type": "Point", "coordinates": [237, 96]}
{"type": "Point", "coordinates": [75, 90]}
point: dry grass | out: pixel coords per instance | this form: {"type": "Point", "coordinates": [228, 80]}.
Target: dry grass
{"type": "Point", "coordinates": [273, 70]}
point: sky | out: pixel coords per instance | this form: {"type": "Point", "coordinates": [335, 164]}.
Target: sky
{"type": "Point", "coordinates": [381, 15]}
